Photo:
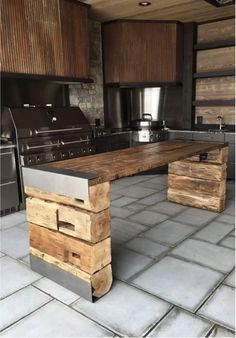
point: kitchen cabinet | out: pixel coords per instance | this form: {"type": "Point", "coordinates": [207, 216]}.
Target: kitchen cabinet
{"type": "Point", "coordinates": [42, 37]}
{"type": "Point", "coordinates": [147, 52]}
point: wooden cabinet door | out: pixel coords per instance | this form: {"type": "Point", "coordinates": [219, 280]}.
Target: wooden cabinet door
{"type": "Point", "coordinates": [142, 52]}
{"type": "Point", "coordinates": [75, 39]}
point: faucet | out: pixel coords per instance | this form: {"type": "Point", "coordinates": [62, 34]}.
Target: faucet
{"type": "Point", "coordinates": [221, 122]}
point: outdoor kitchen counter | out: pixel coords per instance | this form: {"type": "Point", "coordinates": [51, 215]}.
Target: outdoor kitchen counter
{"type": "Point", "coordinates": [68, 205]}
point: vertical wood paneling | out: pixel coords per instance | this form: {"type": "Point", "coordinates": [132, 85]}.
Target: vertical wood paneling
{"type": "Point", "coordinates": [74, 29]}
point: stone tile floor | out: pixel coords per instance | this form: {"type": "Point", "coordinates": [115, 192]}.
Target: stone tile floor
{"type": "Point", "coordinates": [173, 267]}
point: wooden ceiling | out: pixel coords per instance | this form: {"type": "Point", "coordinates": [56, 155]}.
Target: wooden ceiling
{"type": "Point", "coordinates": [182, 10]}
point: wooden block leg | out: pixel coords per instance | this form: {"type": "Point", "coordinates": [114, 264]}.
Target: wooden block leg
{"type": "Point", "coordinates": [199, 181]}
{"type": "Point", "coordinates": [71, 245]}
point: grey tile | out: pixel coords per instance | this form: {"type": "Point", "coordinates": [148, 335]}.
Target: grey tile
{"type": "Point", "coordinates": [15, 242]}
{"type": "Point", "coordinates": [153, 199]}
{"type": "Point", "coordinates": [182, 283]}
{"type": "Point", "coordinates": [125, 310]}
{"type": "Point", "coordinates": [229, 242]}
{"type": "Point", "coordinates": [55, 320]}
{"type": "Point", "coordinates": [127, 181]}
{"type": "Point", "coordinates": [20, 304]}
{"type": "Point", "coordinates": [23, 226]}
{"type": "Point", "coordinates": [135, 206]}
{"type": "Point", "coordinates": [115, 188]}
{"type": "Point", "coordinates": [221, 332]}
{"type": "Point", "coordinates": [229, 219]}
{"type": "Point", "coordinates": [169, 232]}
{"type": "Point", "coordinates": [220, 307]}
{"type": "Point", "coordinates": [208, 254]}
{"type": "Point", "coordinates": [1, 254]}
{"type": "Point", "coordinates": [179, 323]}
{"type": "Point", "coordinates": [230, 208]}
{"type": "Point", "coordinates": [56, 291]}
{"type": "Point", "coordinates": [148, 217]}
{"type": "Point", "coordinates": [14, 276]}
{"type": "Point", "coordinates": [230, 280]}
{"type": "Point", "coordinates": [26, 260]}
{"type": "Point", "coordinates": [23, 212]}
{"type": "Point", "coordinates": [121, 202]}
{"type": "Point", "coordinates": [151, 185]}
{"type": "Point", "coordinates": [115, 196]}
{"type": "Point", "coordinates": [12, 220]}
{"type": "Point", "coordinates": [136, 192]}
{"type": "Point", "coordinates": [120, 212]}
{"type": "Point", "coordinates": [146, 247]}
{"type": "Point", "coordinates": [168, 208]}
{"type": "Point", "coordinates": [214, 232]}
{"type": "Point", "coordinates": [122, 230]}
{"type": "Point", "coordinates": [126, 263]}
{"type": "Point", "coordinates": [159, 179]}
{"type": "Point", "coordinates": [196, 217]}
{"type": "Point", "coordinates": [232, 233]}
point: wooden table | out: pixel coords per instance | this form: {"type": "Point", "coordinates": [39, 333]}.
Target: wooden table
{"type": "Point", "coordinates": [68, 205]}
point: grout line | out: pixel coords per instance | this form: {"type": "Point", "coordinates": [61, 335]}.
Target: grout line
{"type": "Point", "coordinates": [155, 324]}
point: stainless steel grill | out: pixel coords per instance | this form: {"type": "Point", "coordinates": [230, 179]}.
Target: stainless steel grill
{"type": "Point", "coordinates": [46, 134]}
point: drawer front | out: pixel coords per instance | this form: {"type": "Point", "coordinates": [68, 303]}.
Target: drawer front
{"type": "Point", "coordinates": [208, 137]}
{"type": "Point", "coordinates": [8, 165]}
{"type": "Point", "coordinates": [9, 195]}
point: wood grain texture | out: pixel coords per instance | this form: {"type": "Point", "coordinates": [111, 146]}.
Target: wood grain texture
{"type": "Point", "coordinates": [222, 88]}
{"type": "Point", "coordinates": [100, 281]}
{"type": "Point", "coordinates": [115, 164]}
{"type": "Point", "coordinates": [131, 51]}
{"type": "Point", "coordinates": [99, 197]}
{"type": "Point", "coordinates": [218, 156]}
{"type": "Point", "coordinates": [206, 171]}
{"type": "Point", "coordinates": [42, 213]}
{"type": "Point", "coordinates": [182, 10]}
{"type": "Point", "coordinates": [197, 200]}
{"type": "Point", "coordinates": [86, 256]}
{"type": "Point", "coordinates": [216, 31]}
{"type": "Point", "coordinates": [215, 59]}
{"type": "Point", "coordinates": [209, 114]}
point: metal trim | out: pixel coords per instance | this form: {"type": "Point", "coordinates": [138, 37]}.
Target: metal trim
{"type": "Point", "coordinates": [58, 181]}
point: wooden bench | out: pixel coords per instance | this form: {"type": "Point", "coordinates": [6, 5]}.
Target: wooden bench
{"type": "Point", "coordinates": [68, 205]}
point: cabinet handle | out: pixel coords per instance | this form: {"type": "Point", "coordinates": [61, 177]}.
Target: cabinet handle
{"type": "Point", "coordinates": [7, 183]}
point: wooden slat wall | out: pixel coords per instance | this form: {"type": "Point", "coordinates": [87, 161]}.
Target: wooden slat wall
{"type": "Point", "coordinates": [216, 31]}
{"type": "Point", "coordinates": [219, 88]}
{"type": "Point", "coordinates": [215, 59]}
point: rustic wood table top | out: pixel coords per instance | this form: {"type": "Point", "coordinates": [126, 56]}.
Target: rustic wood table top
{"type": "Point", "coordinates": [119, 163]}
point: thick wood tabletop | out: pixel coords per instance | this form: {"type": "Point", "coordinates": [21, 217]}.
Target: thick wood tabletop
{"type": "Point", "coordinates": [119, 163]}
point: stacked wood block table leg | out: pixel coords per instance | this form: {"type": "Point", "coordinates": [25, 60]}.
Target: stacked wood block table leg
{"type": "Point", "coordinates": [70, 239]}
{"type": "Point", "coordinates": [200, 181]}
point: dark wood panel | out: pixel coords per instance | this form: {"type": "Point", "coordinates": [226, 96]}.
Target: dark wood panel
{"type": "Point", "coordinates": [115, 164]}
{"type": "Point", "coordinates": [74, 28]}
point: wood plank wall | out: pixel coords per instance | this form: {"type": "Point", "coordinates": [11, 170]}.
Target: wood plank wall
{"type": "Point", "coordinates": [218, 59]}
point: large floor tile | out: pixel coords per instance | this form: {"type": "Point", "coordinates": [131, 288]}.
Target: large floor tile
{"type": "Point", "coordinates": [20, 304]}
{"type": "Point", "coordinates": [56, 320]}
{"type": "Point", "coordinates": [127, 181]}
{"type": "Point", "coordinates": [153, 199]}
{"type": "Point", "coordinates": [228, 242]}
{"type": "Point", "coordinates": [207, 254]}
{"type": "Point", "coordinates": [1, 254]}
{"type": "Point", "coordinates": [169, 232]}
{"type": "Point", "coordinates": [122, 201]}
{"type": "Point", "coordinates": [135, 206]}
{"type": "Point", "coordinates": [181, 283]}
{"type": "Point", "coordinates": [214, 232]}
{"type": "Point", "coordinates": [14, 276]}
{"type": "Point", "coordinates": [12, 220]}
{"type": "Point", "coordinates": [146, 247]}
{"type": "Point", "coordinates": [221, 307]}
{"type": "Point", "coordinates": [122, 230]}
{"type": "Point", "coordinates": [136, 192]}
{"type": "Point", "coordinates": [230, 208]}
{"type": "Point", "coordinates": [179, 323]}
{"type": "Point", "coordinates": [230, 280]}
{"type": "Point", "coordinates": [148, 217]}
{"type": "Point", "coordinates": [56, 291]}
{"type": "Point", "coordinates": [120, 212]}
{"type": "Point", "coordinates": [151, 185]}
{"type": "Point", "coordinates": [159, 179]}
{"type": "Point", "coordinates": [126, 263]}
{"type": "Point", "coordinates": [168, 208]}
{"type": "Point", "coordinates": [221, 332]}
{"type": "Point", "coordinates": [125, 310]}
{"type": "Point", "coordinates": [196, 217]}
{"type": "Point", "coordinates": [224, 218]}
{"type": "Point", "coordinates": [15, 242]}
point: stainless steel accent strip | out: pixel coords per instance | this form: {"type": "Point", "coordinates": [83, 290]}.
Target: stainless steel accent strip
{"type": "Point", "coordinates": [7, 183]}
{"type": "Point", "coordinates": [73, 142]}
{"type": "Point", "coordinates": [9, 153]}
{"type": "Point", "coordinates": [43, 146]}
{"type": "Point", "coordinates": [38, 132]}
{"type": "Point", "coordinates": [62, 182]}
{"type": "Point", "coordinates": [64, 278]}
